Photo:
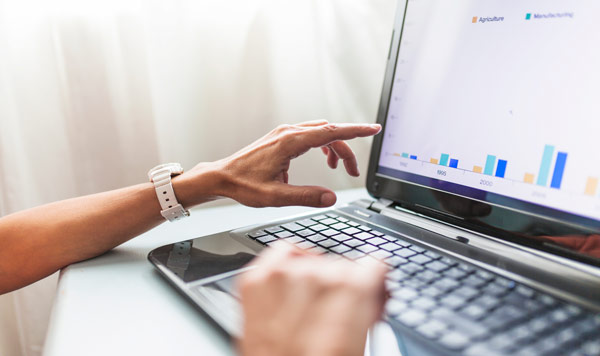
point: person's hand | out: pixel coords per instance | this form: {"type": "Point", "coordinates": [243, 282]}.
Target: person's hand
{"type": "Point", "coordinates": [296, 303]}
{"type": "Point", "coordinates": [257, 175]}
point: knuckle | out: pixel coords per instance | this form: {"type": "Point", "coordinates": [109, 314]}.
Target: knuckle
{"type": "Point", "coordinates": [330, 127]}
{"type": "Point", "coordinates": [282, 128]}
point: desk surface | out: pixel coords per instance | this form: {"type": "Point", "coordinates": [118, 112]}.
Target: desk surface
{"type": "Point", "coordinates": [116, 304]}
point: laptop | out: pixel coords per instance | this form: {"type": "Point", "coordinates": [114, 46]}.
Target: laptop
{"type": "Point", "coordinates": [484, 182]}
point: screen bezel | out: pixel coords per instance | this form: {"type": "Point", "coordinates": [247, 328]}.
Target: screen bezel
{"type": "Point", "coordinates": [415, 195]}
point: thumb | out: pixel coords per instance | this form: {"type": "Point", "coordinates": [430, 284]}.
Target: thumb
{"type": "Point", "coordinates": [306, 195]}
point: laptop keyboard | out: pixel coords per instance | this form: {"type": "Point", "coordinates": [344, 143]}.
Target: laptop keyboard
{"type": "Point", "coordinates": [463, 308]}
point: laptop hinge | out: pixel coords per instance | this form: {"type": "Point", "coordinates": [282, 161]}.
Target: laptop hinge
{"type": "Point", "coordinates": [381, 204]}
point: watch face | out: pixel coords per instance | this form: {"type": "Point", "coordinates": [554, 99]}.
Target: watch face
{"type": "Point", "coordinates": [171, 168]}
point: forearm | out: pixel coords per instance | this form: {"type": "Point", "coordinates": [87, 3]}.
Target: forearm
{"type": "Point", "coordinates": [37, 242]}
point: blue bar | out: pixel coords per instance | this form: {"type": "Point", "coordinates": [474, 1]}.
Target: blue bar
{"type": "Point", "coordinates": [559, 169]}
{"type": "Point", "coordinates": [489, 165]}
{"type": "Point", "coordinates": [444, 159]}
{"type": "Point", "coordinates": [545, 167]}
{"type": "Point", "coordinates": [501, 169]}
{"type": "Point", "coordinates": [413, 157]}
{"type": "Point", "coordinates": [454, 163]}
{"type": "Point", "coordinates": [405, 155]}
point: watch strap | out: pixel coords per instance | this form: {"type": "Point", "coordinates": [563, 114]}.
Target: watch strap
{"type": "Point", "coordinates": [170, 207]}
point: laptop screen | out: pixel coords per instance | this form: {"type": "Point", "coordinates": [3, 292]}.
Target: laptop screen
{"type": "Point", "coordinates": [499, 102]}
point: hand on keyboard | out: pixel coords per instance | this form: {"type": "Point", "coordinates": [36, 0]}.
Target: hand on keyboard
{"type": "Point", "coordinates": [297, 303]}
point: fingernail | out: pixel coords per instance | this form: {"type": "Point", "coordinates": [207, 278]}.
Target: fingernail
{"type": "Point", "coordinates": [328, 199]}
{"type": "Point", "coordinates": [376, 126]}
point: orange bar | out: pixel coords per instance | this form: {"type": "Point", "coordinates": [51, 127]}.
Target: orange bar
{"type": "Point", "coordinates": [474, 19]}
{"type": "Point", "coordinates": [397, 155]}
{"type": "Point", "coordinates": [528, 178]}
{"type": "Point", "coordinates": [477, 169]}
{"type": "Point", "coordinates": [591, 186]}
{"type": "Point", "coordinates": [434, 161]}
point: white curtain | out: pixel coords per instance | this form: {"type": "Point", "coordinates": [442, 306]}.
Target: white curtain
{"type": "Point", "coordinates": [95, 92]}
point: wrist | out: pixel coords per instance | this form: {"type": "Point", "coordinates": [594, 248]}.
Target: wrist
{"type": "Point", "coordinates": [201, 184]}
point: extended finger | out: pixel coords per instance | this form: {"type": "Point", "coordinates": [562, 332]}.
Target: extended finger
{"type": "Point", "coordinates": [313, 123]}
{"type": "Point", "coordinates": [343, 151]}
{"type": "Point", "coordinates": [302, 141]}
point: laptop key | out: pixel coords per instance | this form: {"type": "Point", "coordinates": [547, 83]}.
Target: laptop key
{"type": "Point", "coordinates": [432, 255]}
{"type": "Point", "coordinates": [284, 234]}
{"type": "Point", "coordinates": [411, 268]}
{"type": "Point", "coordinates": [318, 250]}
{"type": "Point", "coordinates": [367, 248]}
{"type": "Point", "coordinates": [466, 291]}
{"type": "Point", "coordinates": [390, 246]}
{"type": "Point", "coordinates": [339, 226]}
{"type": "Point", "coordinates": [405, 293]}
{"type": "Point", "coordinates": [420, 259]}
{"type": "Point", "coordinates": [305, 245]}
{"type": "Point", "coordinates": [341, 237]}
{"type": "Point", "coordinates": [432, 329]}
{"type": "Point", "coordinates": [307, 222]}
{"type": "Point", "coordinates": [473, 281]}
{"type": "Point", "coordinates": [437, 266]}
{"type": "Point", "coordinates": [454, 340]}
{"type": "Point", "coordinates": [318, 227]}
{"type": "Point", "coordinates": [377, 233]}
{"type": "Point", "coordinates": [351, 231]}
{"type": "Point", "coordinates": [256, 234]}
{"type": "Point", "coordinates": [376, 241]}
{"type": "Point", "coordinates": [329, 232]}
{"type": "Point", "coordinates": [395, 261]}
{"type": "Point", "coordinates": [453, 301]}
{"type": "Point", "coordinates": [381, 254]}
{"type": "Point", "coordinates": [295, 239]}
{"type": "Point", "coordinates": [353, 242]}
{"type": "Point", "coordinates": [427, 275]}
{"type": "Point", "coordinates": [328, 221]}
{"type": "Point", "coordinates": [364, 228]}
{"type": "Point", "coordinates": [328, 243]}
{"type": "Point", "coordinates": [364, 235]}
{"type": "Point", "coordinates": [417, 248]}
{"type": "Point", "coordinates": [473, 311]}
{"type": "Point", "coordinates": [316, 238]}
{"type": "Point", "coordinates": [340, 249]}
{"type": "Point", "coordinates": [305, 233]}
{"type": "Point", "coordinates": [467, 327]}
{"type": "Point", "coordinates": [319, 217]}
{"type": "Point", "coordinates": [396, 275]}
{"type": "Point", "coordinates": [333, 216]}
{"type": "Point", "coordinates": [406, 253]}
{"type": "Point", "coordinates": [412, 317]}
{"type": "Point", "coordinates": [424, 303]}
{"type": "Point", "coordinates": [273, 229]}
{"type": "Point", "coordinates": [394, 307]}
{"type": "Point", "coordinates": [353, 254]}
{"type": "Point", "coordinates": [266, 239]}
{"type": "Point", "coordinates": [293, 227]}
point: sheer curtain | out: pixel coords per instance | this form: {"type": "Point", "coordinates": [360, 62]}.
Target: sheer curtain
{"type": "Point", "coordinates": [93, 93]}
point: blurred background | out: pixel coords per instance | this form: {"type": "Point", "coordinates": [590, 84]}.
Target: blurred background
{"type": "Point", "coordinates": [93, 93]}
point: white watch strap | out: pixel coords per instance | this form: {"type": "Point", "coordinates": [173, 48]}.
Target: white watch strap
{"type": "Point", "coordinates": [171, 209]}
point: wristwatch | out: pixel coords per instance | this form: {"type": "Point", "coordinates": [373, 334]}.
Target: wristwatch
{"type": "Point", "coordinates": [161, 177]}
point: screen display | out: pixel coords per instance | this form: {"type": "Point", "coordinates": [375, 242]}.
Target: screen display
{"type": "Point", "coordinates": [500, 98]}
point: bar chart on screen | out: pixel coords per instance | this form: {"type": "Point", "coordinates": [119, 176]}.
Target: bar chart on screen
{"type": "Point", "coordinates": [502, 102]}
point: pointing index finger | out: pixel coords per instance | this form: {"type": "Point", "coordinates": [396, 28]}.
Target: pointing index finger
{"type": "Point", "coordinates": [325, 134]}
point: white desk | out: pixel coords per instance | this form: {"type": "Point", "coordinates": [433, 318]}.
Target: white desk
{"type": "Point", "coordinates": [116, 304]}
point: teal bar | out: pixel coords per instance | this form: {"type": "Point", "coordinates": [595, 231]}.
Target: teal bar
{"type": "Point", "coordinates": [490, 163]}
{"type": "Point", "coordinates": [545, 167]}
{"type": "Point", "coordinates": [405, 155]}
{"type": "Point", "coordinates": [444, 159]}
